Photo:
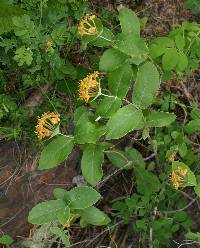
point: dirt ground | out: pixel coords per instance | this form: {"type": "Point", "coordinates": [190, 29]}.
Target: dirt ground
{"type": "Point", "coordinates": [22, 185]}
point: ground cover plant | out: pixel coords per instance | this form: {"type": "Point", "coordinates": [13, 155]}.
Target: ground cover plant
{"type": "Point", "coordinates": [123, 97]}
{"type": "Point", "coordinates": [36, 37]}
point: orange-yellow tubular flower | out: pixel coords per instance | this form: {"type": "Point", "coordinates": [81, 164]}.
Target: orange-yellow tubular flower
{"type": "Point", "coordinates": [87, 26]}
{"type": "Point", "coordinates": [89, 86]}
{"type": "Point", "coordinates": [178, 176]}
{"type": "Point", "coordinates": [47, 124]}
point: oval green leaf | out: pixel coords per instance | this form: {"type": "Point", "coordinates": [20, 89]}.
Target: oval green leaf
{"type": "Point", "coordinates": [170, 59]}
{"type": "Point", "coordinates": [6, 240]}
{"type": "Point", "coordinates": [91, 163]}
{"type": "Point", "coordinates": [160, 119]}
{"type": "Point", "coordinates": [56, 152]}
{"type": "Point", "coordinates": [132, 46]}
{"type": "Point", "coordinates": [108, 106]}
{"type": "Point", "coordinates": [119, 81]}
{"type": "Point", "coordinates": [93, 216]}
{"type": "Point", "coordinates": [45, 212]}
{"type": "Point", "coordinates": [111, 60]}
{"type": "Point", "coordinates": [107, 39]}
{"type": "Point", "coordinates": [129, 22]}
{"type": "Point", "coordinates": [146, 85]}
{"type": "Point", "coordinates": [63, 215]}
{"type": "Point", "coordinates": [125, 120]}
{"type": "Point", "coordinates": [82, 197]}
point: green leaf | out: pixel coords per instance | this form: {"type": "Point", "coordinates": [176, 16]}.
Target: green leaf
{"type": "Point", "coordinates": [197, 189]}
{"type": "Point", "coordinates": [111, 60]}
{"type": "Point", "coordinates": [159, 46]}
{"type": "Point", "coordinates": [108, 106]}
{"type": "Point", "coordinates": [23, 56]}
{"type": "Point", "coordinates": [160, 119]}
{"type": "Point", "coordinates": [125, 120]}
{"type": "Point", "coordinates": [193, 5]}
{"type": "Point", "coordinates": [180, 41]}
{"type": "Point", "coordinates": [163, 231]}
{"type": "Point", "coordinates": [146, 85]}
{"type": "Point", "coordinates": [93, 216]}
{"type": "Point", "coordinates": [45, 212]}
{"type": "Point", "coordinates": [170, 59]}
{"type": "Point", "coordinates": [134, 155]}
{"type": "Point", "coordinates": [69, 70]}
{"type": "Point", "coordinates": [6, 240]}
{"type": "Point", "coordinates": [133, 46]}
{"type": "Point", "coordinates": [60, 234]}
{"type": "Point", "coordinates": [87, 132]}
{"type": "Point", "coordinates": [190, 179]}
{"type": "Point", "coordinates": [193, 126]}
{"type": "Point", "coordinates": [118, 159]}
{"type": "Point", "coordinates": [193, 236]}
{"type": "Point", "coordinates": [129, 22]}
{"type": "Point", "coordinates": [145, 133]}
{"type": "Point", "coordinates": [59, 193]}
{"type": "Point", "coordinates": [107, 39]}
{"type": "Point", "coordinates": [147, 182]}
{"type": "Point", "coordinates": [81, 114]}
{"type": "Point", "coordinates": [55, 230]}
{"type": "Point", "coordinates": [156, 50]}
{"type": "Point", "coordinates": [63, 215]}
{"type": "Point", "coordinates": [143, 22]}
{"type": "Point", "coordinates": [119, 81]}
{"type": "Point", "coordinates": [141, 224]}
{"type": "Point", "coordinates": [24, 28]}
{"type": "Point", "coordinates": [59, 34]}
{"type": "Point", "coordinates": [82, 197]}
{"type": "Point", "coordinates": [56, 152]}
{"type": "Point", "coordinates": [180, 216]}
{"type": "Point", "coordinates": [182, 149]}
{"type": "Point", "coordinates": [182, 62]}
{"type": "Point", "coordinates": [126, 160]}
{"type": "Point", "coordinates": [195, 113]}
{"type": "Point", "coordinates": [91, 163]}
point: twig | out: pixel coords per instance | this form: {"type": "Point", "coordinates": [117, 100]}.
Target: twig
{"type": "Point", "coordinates": [106, 230]}
{"type": "Point", "coordinates": [99, 184]}
{"type": "Point", "coordinates": [181, 209]}
{"type": "Point", "coordinates": [186, 242]}
{"type": "Point", "coordinates": [151, 229]}
{"type": "Point", "coordinates": [12, 218]}
{"type": "Point", "coordinates": [77, 243]}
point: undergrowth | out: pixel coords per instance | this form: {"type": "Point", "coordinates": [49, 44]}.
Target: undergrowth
{"type": "Point", "coordinates": [124, 94]}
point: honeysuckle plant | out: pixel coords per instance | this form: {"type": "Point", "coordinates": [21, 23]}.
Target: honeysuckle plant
{"type": "Point", "coordinates": [109, 112]}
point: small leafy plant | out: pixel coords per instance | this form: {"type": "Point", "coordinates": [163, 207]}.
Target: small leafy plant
{"type": "Point", "coordinates": [122, 98]}
{"type": "Point", "coordinates": [179, 51]}
{"type": "Point", "coordinates": [36, 37]}
{"type": "Point", "coordinates": [67, 207]}
{"type": "Point", "coordinates": [6, 240]}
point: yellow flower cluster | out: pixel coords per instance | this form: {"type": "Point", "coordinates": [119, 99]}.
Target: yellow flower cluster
{"type": "Point", "coordinates": [47, 124]}
{"type": "Point", "coordinates": [49, 46]}
{"type": "Point", "coordinates": [89, 86]}
{"type": "Point", "coordinates": [49, 43]}
{"type": "Point", "coordinates": [178, 176]}
{"type": "Point", "coordinates": [87, 25]}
